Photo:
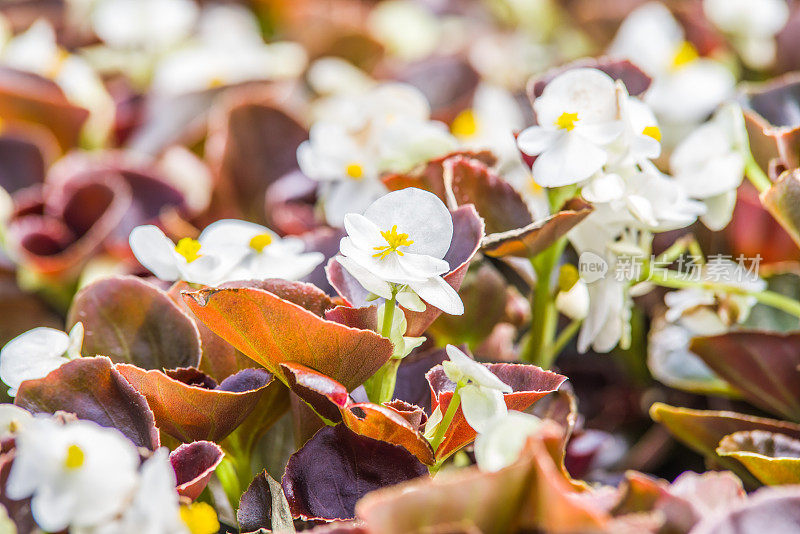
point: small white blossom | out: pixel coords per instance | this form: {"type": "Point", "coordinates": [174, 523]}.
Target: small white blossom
{"type": "Point", "coordinates": [500, 444]}
{"type": "Point", "coordinates": [398, 244]}
{"type": "Point", "coordinates": [263, 253]}
{"type": "Point", "coordinates": [12, 419]}
{"type": "Point", "coordinates": [78, 474]}
{"type": "Point", "coordinates": [35, 353]}
{"type": "Point", "coordinates": [482, 396]}
{"type": "Point", "coordinates": [151, 25]}
{"type": "Point", "coordinates": [751, 26]}
{"type": "Point", "coordinates": [577, 115]}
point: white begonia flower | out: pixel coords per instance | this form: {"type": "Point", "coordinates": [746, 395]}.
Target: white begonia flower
{"type": "Point", "coordinates": [686, 88]}
{"type": "Point", "coordinates": [710, 162]}
{"type": "Point", "coordinates": [641, 136]}
{"type": "Point", "coordinates": [186, 261]}
{"type": "Point", "coordinates": [578, 116]}
{"type": "Point", "coordinates": [35, 353]}
{"type": "Point", "coordinates": [263, 253]}
{"type": "Point", "coordinates": [500, 444]}
{"type": "Point", "coordinates": [407, 29]}
{"type": "Point", "coordinates": [37, 50]}
{"type": "Point", "coordinates": [482, 396]}
{"type": "Point", "coordinates": [360, 136]}
{"type": "Point", "coordinates": [337, 76]}
{"type": "Point", "coordinates": [694, 307]}
{"type": "Point", "coordinates": [152, 25]}
{"type": "Point", "coordinates": [78, 474]}
{"type": "Point", "coordinates": [573, 296]}
{"type": "Point", "coordinates": [226, 32]}
{"type": "Point", "coordinates": [12, 419]}
{"type": "Point", "coordinates": [751, 26]}
{"type": "Point", "coordinates": [399, 243]}
{"type": "Point", "coordinates": [154, 508]}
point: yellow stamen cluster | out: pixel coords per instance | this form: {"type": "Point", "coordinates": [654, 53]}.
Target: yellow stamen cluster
{"type": "Point", "coordinates": [465, 124]}
{"type": "Point", "coordinates": [200, 518]}
{"type": "Point", "coordinates": [74, 458]}
{"type": "Point", "coordinates": [652, 131]}
{"type": "Point", "coordinates": [188, 248]}
{"type": "Point", "coordinates": [566, 121]}
{"type": "Point", "coordinates": [394, 241]}
{"type": "Point", "coordinates": [354, 170]}
{"type": "Point", "coordinates": [685, 54]}
{"type": "Point", "coordinates": [260, 242]}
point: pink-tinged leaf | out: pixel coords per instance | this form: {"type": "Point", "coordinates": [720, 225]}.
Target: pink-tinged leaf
{"type": "Point", "coordinates": [702, 430]}
{"type": "Point", "coordinates": [264, 505]}
{"type": "Point", "coordinates": [767, 510]}
{"type": "Point", "coordinates": [448, 83]}
{"type": "Point", "coordinates": [132, 321]}
{"type": "Point", "coordinates": [528, 382]}
{"type": "Point", "coordinates": [411, 385]}
{"type": "Point", "coordinates": [271, 331]}
{"type": "Point", "coordinates": [430, 176]}
{"type": "Point", "coordinates": [782, 199]}
{"type": "Point", "coordinates": [772, 458]}
{"type": "Point", "coordinates": [467, 235]}
{"type": "Point", "coordinates": [305, 295]}
{"type": "Point", "coordinates": [29, 98]}
{"type": "Point", "coordinates": [252, 142]}
{"type": "Point", "coordinates": [21, 163]}
{"type": "Point", "coordinates": [389, 423]}
{"type": "Point", "coordinates": [365, 318]}
{"type": "Point", "coordinates": [771, 111]}
{"type": "Point", "coordinates": [325, 395]}
{"type": "Point", "coordinates": [336, 467]}
{"type": "Point", "coordinates": [193, 412]}
{"type": "Point", "coordinates": [194, 464]}
{"type": "Point", "coordinates": [530, 240]}
{"type": "Point", "coordinates": [763, 366]}
{"type": "Point", "coordinates": [531, 494]}
{"type": "Point", "coordinates": [92, 389]}
{"type": "Point", "coordinates": [634, 78]}
{"type": "Point", "coordinates": [290, 204]}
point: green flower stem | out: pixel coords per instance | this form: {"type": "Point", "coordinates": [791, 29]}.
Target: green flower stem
{"type": "Point", "coordinates": [228, 474]}
{"type": "Point", "coordinates": [563, 338]}
{"type": "Point", "coordinates": [444, 424]}
{"type": "Point", "coordinates": [756, 176]}
{"type": "Point", "coordinates": [544, 315]}
{"type": "Point", "coordinates": [380, 386]}
{"type": "Point", "coordinates": [676, 280]}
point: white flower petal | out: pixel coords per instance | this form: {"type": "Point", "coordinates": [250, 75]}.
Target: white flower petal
{"type": "Point", "coordinates": [33, 354]}
{"type": "Point", "coordinates": [720, 210]}
{"type": "Point", "coordinates": [503, 439]}
{"type": "Point", "coordinates": [476, 372]}
{"type": "Point", "coordinates": [438, 293]}
{"type": "Point", "coordinates": [536, 139]}
{"type": "Point", "coordinates": [571, 160]}
{"type": "Point", "coordinates": [371, 283]}
{"type": "Point", "coordinates": [481, 405]}
{"type": "Point", "coordinates": [154, 251]}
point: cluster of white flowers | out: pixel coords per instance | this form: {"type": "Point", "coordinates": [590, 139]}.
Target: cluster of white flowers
{"type": "Point", "coordinates": [87, 478]}
{"type": "Point", "coordinates": [594, 136]}
{"type": "Point", "coordinates": [226, 250]}
{"type": "Point", "coordinates": [360, 135]}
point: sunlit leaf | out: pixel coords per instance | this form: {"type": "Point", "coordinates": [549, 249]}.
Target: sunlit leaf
{"type": "Point", "coordinates": [772, 458]}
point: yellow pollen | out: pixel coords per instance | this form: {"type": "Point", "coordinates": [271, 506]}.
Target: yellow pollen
{"type": "Point", "coordinates": [465, 124]}
{"type": "Point", "coordinates": [216, 81]}
{"type": "Point", "coordinates": [74, 458]}
{"type": "Point", "coordinates": [57, 63]}
{"type": "Point", "coordinates": [652, 131]}
{"type": "Point", "coordinates": [200, 518]}
{"type": "Point", "coordinates": [188, 248]}
{"type": "Point", "coordinates": [394, 241]}
{"type": "Point", "coordinates": [260, 242]}
{"type": "Point", "coordinates": [685, 54]}
{"type": "Point", "coordinates": [354, 170]}
{"type": "Point", "coordinates": [566, 121]}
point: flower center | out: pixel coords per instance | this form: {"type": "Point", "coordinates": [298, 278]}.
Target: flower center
{"type": "Point", "coordinates": [394, 241]}
{"type": "Point", "coordinates": [188, 248]}
{"type": "Point", "coordinates": [652, 131]}
{"type": "Point", "coordinates": [566, 121]}
{"type": "Point", "coordinates": [465, 124]}
{"type": "Point", "coordinates": [75, 457]}
{"type": "Point", "coordinates": [354, 170]}
{"type": "Point", "coordinates": [260, 242]}
{"type": "Point", "coordinates": [200, 518]}
{"type": "Point", "coordinates": [684, 54]}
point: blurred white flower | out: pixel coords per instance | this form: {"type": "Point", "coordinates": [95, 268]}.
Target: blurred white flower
{"type": "Point", "coordinates": [35, 353]}
{"type": "Point", "coordinates": [263, 253]}
{"type": "Point", "coordinates": [751, 26]}
{"type": "Point", "coordinates": [398, 244]}
{"type": "Point", "coordinates": [227, 50]}
{"type": "Point", "coordinates": [336, 76]}
{"type": "Point", "coordinates": [577, 115]}
{"type": "Point", "coordinates": [573, 296]}
{"type": "Point", "coordinates": [359, 136]}
{"type": "Point", "coordinates": [12, 419]}
{"type": "Point", "coordinates": [709, 164]}
{"type": "Point", "coordinates": [500, 444]}
{"type": "Point", "coordinates": [78, 474]}
{"type": "Point", "coordinates": [154, 508]}
{"type": "Point", "coordinates": [482, 396]}
{"type": "Point", "coordinates": [686, 87]}
{"type": "Point", "coordinates": [641, 137]}
{"type": "Point", "coordinates": [151, 25]}
{"type": "Point", "coordinates": [407, 29]}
